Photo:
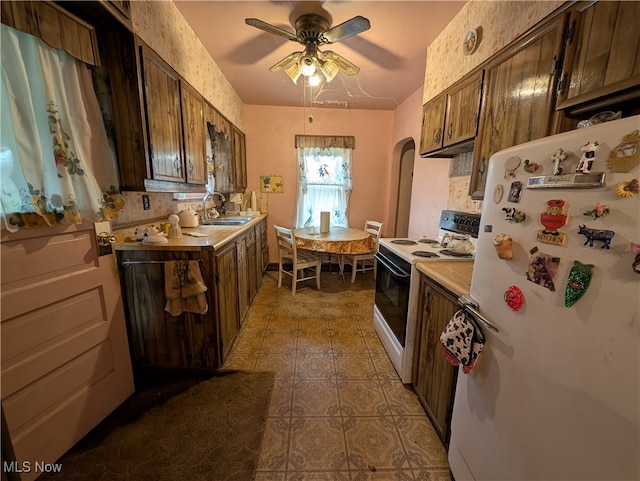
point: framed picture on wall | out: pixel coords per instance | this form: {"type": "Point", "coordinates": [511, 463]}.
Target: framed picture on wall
{"type": "Point", "coordinates": [272, 184]}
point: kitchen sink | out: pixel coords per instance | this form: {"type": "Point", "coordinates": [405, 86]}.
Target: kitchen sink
{"type": "Point", "coordinates": [232, 220]}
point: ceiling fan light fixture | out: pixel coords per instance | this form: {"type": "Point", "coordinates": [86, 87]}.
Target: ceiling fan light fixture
{"type": "Point", "coordinates": [329, 70]}
{"type": "Point", "coordinates": [314, 80]}
{"type": "Point", "coordinates": [308, 65]}
{"type": "Point", "coordinates": [294, 71]}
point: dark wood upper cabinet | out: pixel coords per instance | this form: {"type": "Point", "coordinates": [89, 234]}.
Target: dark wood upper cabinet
{"type": "Point", "coordinates": [194, 137]}
{"type": "Point", "coordinates": [463, 110]}
{"type": "Point", "coordinates": [519, 97]}
{"type": "Point", "coordinates": [161, 91]}
{"type": "Point", "coordinates": [602, 55]}
{"type": "Point", "coordinates": [239, 160]}
{"type": "Point", "coordinates": [451, 120]}
{"type": "Point", "coordinates": [432, 125]}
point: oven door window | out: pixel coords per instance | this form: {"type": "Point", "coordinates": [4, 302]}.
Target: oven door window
{"type": "Point", "coordinates": [392, 296]}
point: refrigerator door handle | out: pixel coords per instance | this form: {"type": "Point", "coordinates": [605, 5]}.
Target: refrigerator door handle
{"type": "Point", "coordinates": [470, 305]}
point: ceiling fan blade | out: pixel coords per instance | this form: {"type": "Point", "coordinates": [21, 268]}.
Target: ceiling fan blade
{"type": "Point", "coordinates": [342, 63]}
{"type": "Point", "coordinates": [346, 29]}
{"type": "Point", "coordinates": [286, 62]}
{"type": "Point", "coordinates": [254, 22]}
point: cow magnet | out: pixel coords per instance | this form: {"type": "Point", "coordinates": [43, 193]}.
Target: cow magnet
{"type": "Point", "coordinates": [593, 235]}
{"type": "Point", "coordinates": [578, 282]}
{"type": "Point", "coordinates": [589, 151]}
{"type": "Point", "coordinates": [514, 215]}
{"type": "Point", "coordinates": [552, 219]}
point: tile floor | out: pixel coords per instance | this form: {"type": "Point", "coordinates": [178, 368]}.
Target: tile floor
{"type": "Point", "coordinates": [338, 411]}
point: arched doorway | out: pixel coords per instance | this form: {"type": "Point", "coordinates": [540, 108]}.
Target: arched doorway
{"type": "Point", "coordinates": [405, 183]}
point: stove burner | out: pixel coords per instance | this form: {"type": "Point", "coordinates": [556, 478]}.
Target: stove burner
{"type": "Point", "coordinates": [404, 242]}
{"type": "Point", "coordinates": [425, 254]}
{"type": "Point", "coordinates": [429, 241]}
{"type": "Point", "coordinates": [447, 252]}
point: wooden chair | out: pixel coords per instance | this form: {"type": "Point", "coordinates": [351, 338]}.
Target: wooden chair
{"type": "Point", "coordinates": [288, 254]}
{"type": "Point", "coordinates": [363, 262]}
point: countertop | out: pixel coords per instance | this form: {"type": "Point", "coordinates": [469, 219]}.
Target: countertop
{"type": "Point", "coordinates": [453, 276]}
{"type": "Point", "coordinates": [215, 236]}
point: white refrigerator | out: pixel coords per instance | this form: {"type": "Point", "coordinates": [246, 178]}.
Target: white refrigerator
{"type": "Point", "coordinates": [554, 394]}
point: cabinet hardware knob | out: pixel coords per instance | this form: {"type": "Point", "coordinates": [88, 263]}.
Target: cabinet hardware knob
{"type": "Point", "coordinates": [449, 133]}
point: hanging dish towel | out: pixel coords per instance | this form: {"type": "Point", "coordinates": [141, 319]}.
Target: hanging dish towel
{"type": "Point", "coordinates": [184, 288]}
{"type": "Point", "coordinates": [462, 341]}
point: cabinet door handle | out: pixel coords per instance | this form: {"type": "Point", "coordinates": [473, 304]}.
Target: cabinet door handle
{"type": "Point", "coordinates": [438, 136]}
{"type": "Point", "coordinates": [450, 130]}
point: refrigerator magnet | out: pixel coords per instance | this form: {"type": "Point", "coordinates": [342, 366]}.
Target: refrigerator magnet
{"type": "Point", "coordinates": [504, 246]}
{"type": "Point", "coordinates": [530, 167]}
{"type": "Point", "coordinates": [543, 269]}
{"type": "Point", "coordinates": [514, 298]}
{"type": "Point", "coordinates": [498, 192]}
{"type": "Point", "coordinates": [578, 282]}
{"type": "Point", "coordinates": [514, 215]}
{"type": "Point", "coordinates": [600, 210]}
{"type": "Point", "coordinates": [552, 219]}
{"type": "Point", "coordinates": [557, 158]}
{"type": "Point", "coordinates": [515, 191]}
{"type": "Point", "coordinates": [626, 155]}
{"type": "Point", "coordinates": [628, 188]}
{"type": "Point", "coordinates": [589, 151]}
{"type": "Point", "coordinates": [511, 167]}
{"type": "Point", "coordinates": [635, 248]}
{"type": "Point", "coordinates": [592, 235]}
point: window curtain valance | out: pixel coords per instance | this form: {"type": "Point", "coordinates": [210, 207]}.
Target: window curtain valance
{"type": "Point", "coordinates": [325, 141]}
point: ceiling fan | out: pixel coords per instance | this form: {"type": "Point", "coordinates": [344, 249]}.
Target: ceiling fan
{"type": "Point", "coordinates": [312, 31]}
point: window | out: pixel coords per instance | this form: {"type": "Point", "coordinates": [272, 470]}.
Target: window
{"type": "Point", "coordinates": [57, 164]}
{"type": "Point", "coordinates": [324, 185]}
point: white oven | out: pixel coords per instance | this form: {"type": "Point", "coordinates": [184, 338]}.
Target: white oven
{"type": "Point", "coordinates": [397, 284]}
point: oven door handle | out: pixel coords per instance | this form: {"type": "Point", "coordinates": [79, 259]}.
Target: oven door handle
{"type": "Point", "coordinates": [394, 270]}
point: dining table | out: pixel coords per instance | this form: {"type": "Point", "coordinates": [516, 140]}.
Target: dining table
{"type": "Point", "coordinates": [339, 240]}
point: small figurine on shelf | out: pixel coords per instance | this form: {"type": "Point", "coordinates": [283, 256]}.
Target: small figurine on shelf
{"type": "Point", "coordinates": [175, 231]}
{"type": "Point", "coordinates": [557, 158]}
{"type": "Point", "coordinates": [589, 151]}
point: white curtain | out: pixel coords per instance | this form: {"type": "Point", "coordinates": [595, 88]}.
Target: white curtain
{"type": "Point", "coordinates": [324, 184]}
{"type": "Point", "coordinates": [56, 162]}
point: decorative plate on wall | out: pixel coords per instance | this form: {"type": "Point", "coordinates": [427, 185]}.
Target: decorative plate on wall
{"type": "Point", "coordinates": [471, 41]}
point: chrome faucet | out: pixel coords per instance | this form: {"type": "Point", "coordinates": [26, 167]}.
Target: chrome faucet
{"type": "Point", "coordinates": [204, 202]}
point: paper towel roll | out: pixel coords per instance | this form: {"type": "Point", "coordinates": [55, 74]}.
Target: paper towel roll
{"type": "Point", "coordinates": [324, 222]}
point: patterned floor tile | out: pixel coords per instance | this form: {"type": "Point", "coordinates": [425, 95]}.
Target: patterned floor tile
{"type": "Point", "coordinates": [319, 476]}
{"type": "Point", "coordinates": [338, 410]}
{"type": "Point", "coordinates": [317, 444]}
{"type": "Point", "coordinates": [354, 366]}
{"type": "Point", "coordinates": [314, 366]}
{"type": "Point", "coordinates": [382, 475]}
{"type": "Point", "coordinates": [282, 364]}
{"type": "Point", "coordinates": [373, 443]}
{"type": "Point", "coordinates": [401, 398]}
{"type": "Point", "coordinates": [281, 399]}
{"type": "Point", "coordinates": [315, 398]}
{"type": "Point", "coordinates": [362, 398]}
{"type": "Point", "coordinates": [421, 443]}
{"type": "Point", "coordinates": [279, 343]}
{"type": "Point", "coordinates": [275, 441]}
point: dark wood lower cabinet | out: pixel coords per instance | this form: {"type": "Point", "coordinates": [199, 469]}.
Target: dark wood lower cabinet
{"type": "Point", "coordinates": [158, 339]}
{"type": "Point", "coordinates": [434, 379]}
